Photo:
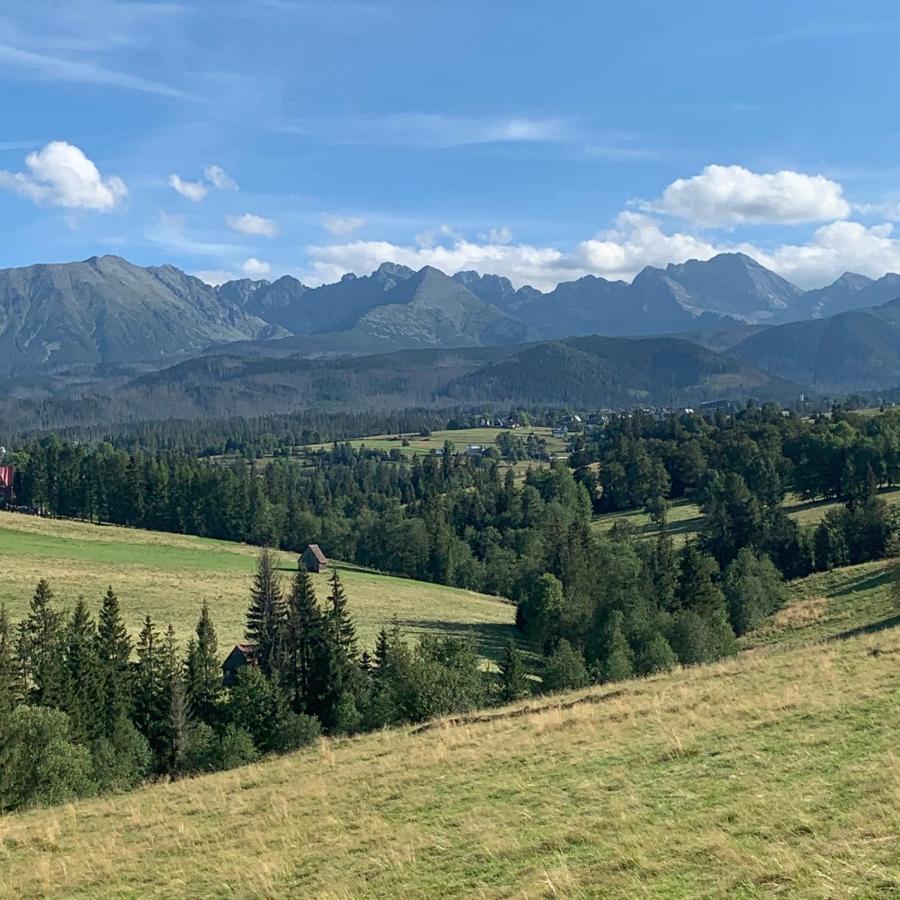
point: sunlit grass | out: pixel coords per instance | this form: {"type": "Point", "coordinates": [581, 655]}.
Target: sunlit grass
{"type": "Point", "coordinates": [168, 577]}
{"type": "Point", "coordinates": [772, 774]}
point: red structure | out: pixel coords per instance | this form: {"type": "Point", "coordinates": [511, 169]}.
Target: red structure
{"type": "Point", "coordinates": [6, 484]}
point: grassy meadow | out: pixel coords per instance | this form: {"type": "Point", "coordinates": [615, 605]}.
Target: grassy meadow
{"type": "Point", "coordinates": [771, 774]}
{"type": "Point", "coordinates": [461, 438]}
{"type": "Point", "coordinates": [685, 519]}
{"type": "Point", "coordinates": [169, 576]}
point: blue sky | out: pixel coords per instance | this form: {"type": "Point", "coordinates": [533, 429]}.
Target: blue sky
{"type": "Point", "coordinates": [538, 140]}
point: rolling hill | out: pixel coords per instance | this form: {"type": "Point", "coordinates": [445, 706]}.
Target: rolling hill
{"type": "Point", "coordinates": [601, 371]}
{"type": "Point", "coordinates": [168, 576]}
{"type": "Point", "coordinates": [857, 350]}
{"type": "Point", "coordinates": [763, 775]}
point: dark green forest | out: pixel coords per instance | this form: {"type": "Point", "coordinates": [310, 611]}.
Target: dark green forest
{"type": "Point", "coordinates": [595, 606]}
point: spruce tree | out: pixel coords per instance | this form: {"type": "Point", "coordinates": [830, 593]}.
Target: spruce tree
{"type": "Point", "coordinates": [304, 646]}
{"type": "Point", "coordinates": [113, 653]}
{"type": "Point", "coordinates": [618, 660]}
{"type": "Point", "coordinates": [514, 683]}
{"type": "Point", "coordinates": [11, 689]}
{"type": "Point", "coordinates": [266, 613]}
{"type": "Point", "coordinates": [41, 649]}
{"type": "Point", "coordinates": [82, 675]}
{"type": "Point", "coordinates": [152, 692]}
{"type": "Point", "coordinates": [203, 673]}
{"type": "Point", "coordinates": [340, 625]}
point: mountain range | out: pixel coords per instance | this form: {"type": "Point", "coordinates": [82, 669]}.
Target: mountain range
{"type": "Point", "coordinates": [106, 312]}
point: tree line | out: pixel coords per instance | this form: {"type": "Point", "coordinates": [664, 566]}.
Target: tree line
{"type": "Point", "coordinates": [85, 710]}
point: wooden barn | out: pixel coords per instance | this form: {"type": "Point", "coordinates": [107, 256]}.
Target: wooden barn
{"type": "Point", "coordinates": [7, 473]}
{"type": "Point", "coordinates": [242, 655]}
{"type": "Point", "coordinates": [313, 559]}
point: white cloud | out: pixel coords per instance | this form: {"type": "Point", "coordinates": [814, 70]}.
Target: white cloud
{"type": "Point", "coordinates": [193, 190]}
{"type": "Point", "coordinates": [248, 223]}
{"type": "Point", "coordinates": [834, 249]}
{"type": "Point", "coordinates": [220, 179]}
{"type": "Point", "coordinates": [341, 226]}
{"type": "Point", "coordinates": [215, 277]}
{"type": "Point", "coordinates": [501, 235]}
{"type": "Point", "coordinates": [733, 195]}
{"type": "Point", "coordinates": [433, 130]}
{"type": "Point", "coordinates": [256, 268]}
{"type": "Point", "coordinates": [60, 174]}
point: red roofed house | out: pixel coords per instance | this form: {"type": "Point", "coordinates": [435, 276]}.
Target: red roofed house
{"type": "Point", "coordinates": [313, 559]}
{"type": "Point", "coordinates": [7, 474]}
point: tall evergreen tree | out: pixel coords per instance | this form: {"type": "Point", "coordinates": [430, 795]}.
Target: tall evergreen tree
{"type": "Point", "coordinates": [113, 654]}
{"type": "Point", "coordinates": [152, 692]}
{"type": "Point", "coordinates": [41, 649]}
{"type": "Point", "coordinates": [514, 683]}
{"type": "Point", "coordinates": [81, 693]}
{"type": "Point", "coordinates": [266, 613]}
{"type": "Point", "coordinates": [11, 688]}
{"type": "Point", "coordinates": [303, 646]}
{"type": "Point", "coordinates": [203, 674]}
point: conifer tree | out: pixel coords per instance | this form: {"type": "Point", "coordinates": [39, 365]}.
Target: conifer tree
{"type": "Point", "coordinates": [152, 692]}
{"type": "Point", "coordinates": [82, 675]}
{"type": "Point", "coordinates": [203, 674]}
{"type": "Point", "coordinates": [266, 613]}
{"type": "Point", "coordinates": [340, 625]}
{"type": "Point", "coordinates": [618, 660]}
{"type": "Point", "coordinates": [11, 689]}
{"type": "Point", "coordinates": [40, 649]}
{"type": "Point", "coordinates": [113, 653]}
{"type": "Point", "coordinates": [514, 684]}
{"type": "Point", "coordinates": [304, 646]}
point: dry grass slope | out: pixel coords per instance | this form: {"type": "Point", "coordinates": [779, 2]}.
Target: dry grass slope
{"type": "Point", "coordinates": [771, 774]}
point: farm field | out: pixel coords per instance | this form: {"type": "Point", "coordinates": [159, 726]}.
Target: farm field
{"type": "Point", "coordinates": [461, 438]}
{"type": "Point", "coordinates": [168, 576]}
{"type": "Point", "coordinates": [686, 519]}
{"type": "Point", "coordinates": [778, 768]}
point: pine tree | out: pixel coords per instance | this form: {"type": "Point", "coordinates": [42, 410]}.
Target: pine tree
{"type": "Point", "coordinates": [303, 646]}
{"type": "Point", "coordinates": [514, 683]}
{"type": "Point", "coordinates": [11, 688]}
{"type": "Point", "coordinates": [618, 660]}
{"type": "Point", "coordinates": [40, 649]}
{"type": "Point", "coordinates": [266, 613]}
{"type": "Point", "coordinates": [113, 653]}
{"type": "Point", "coordinates": [340, 625]}
{"type": "Point", "coordinates": [203, 674]}
{"type": "Point", "coordinates": [82, 675]}
{"type": "Point", "coordinates": [152, 692]}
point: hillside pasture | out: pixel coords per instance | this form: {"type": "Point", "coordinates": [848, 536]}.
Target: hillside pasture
{"type": "Point", "coordinates": [771, 774]}
{"type": "Point", "coordinates": [168, 576]}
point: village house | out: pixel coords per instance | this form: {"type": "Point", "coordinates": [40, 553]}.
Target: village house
{"type": "Point", "coordinates": [7, 473]}
{"type": "Point", "coordinates": [242, 655]}
{"type": "Point", "coordinates": [313, 559]}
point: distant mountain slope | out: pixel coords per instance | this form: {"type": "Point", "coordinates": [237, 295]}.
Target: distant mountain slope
{"type": "Point", "coordinates": [602, 371]}
{"type": "Point", "coordinates": [107, 311]}
{"type": "Point", "coordinates": [857, 350]}
{"type": "Point", "coordinates": [850, 291]}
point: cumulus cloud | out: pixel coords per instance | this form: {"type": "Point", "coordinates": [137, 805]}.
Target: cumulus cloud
{"type": "Point", "coordinates": [733, 195]}
{"type": "Point", "coordinates": [220, 179]}
{"type": "Point", "coordinates": [636, 240]}
{"type": "Point", "coordinates": [256, 268]}
{"type": "Point", "coordinates": [193, 190]}
{"type": "Point", "coordinates": [248, 223]}
{"type": "Point", "coordinates": [215, 277]}
{"type": "Point", "coordinates": [60, 174]}
{"type": "Point", "coordinates": [501, 235]}
{"type": "Point", "coordinates": [341, 226]}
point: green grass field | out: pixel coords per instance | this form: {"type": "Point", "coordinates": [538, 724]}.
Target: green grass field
{"type": "Point", "coordinates": [462, 438]}
{"type": "Point", "coordinates": [686, 519]}
{"type": "Point", "coordinates": [771, 774]}
{"type": "Point", "coordinates": [169, 576]}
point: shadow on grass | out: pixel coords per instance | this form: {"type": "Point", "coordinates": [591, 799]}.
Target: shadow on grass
{"type": "Point", "coordinates": [871, 628]}
{"type": "Point", "coordinates": [490, 637]}
{"type": "Point", "coordinates": [865, 583]}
